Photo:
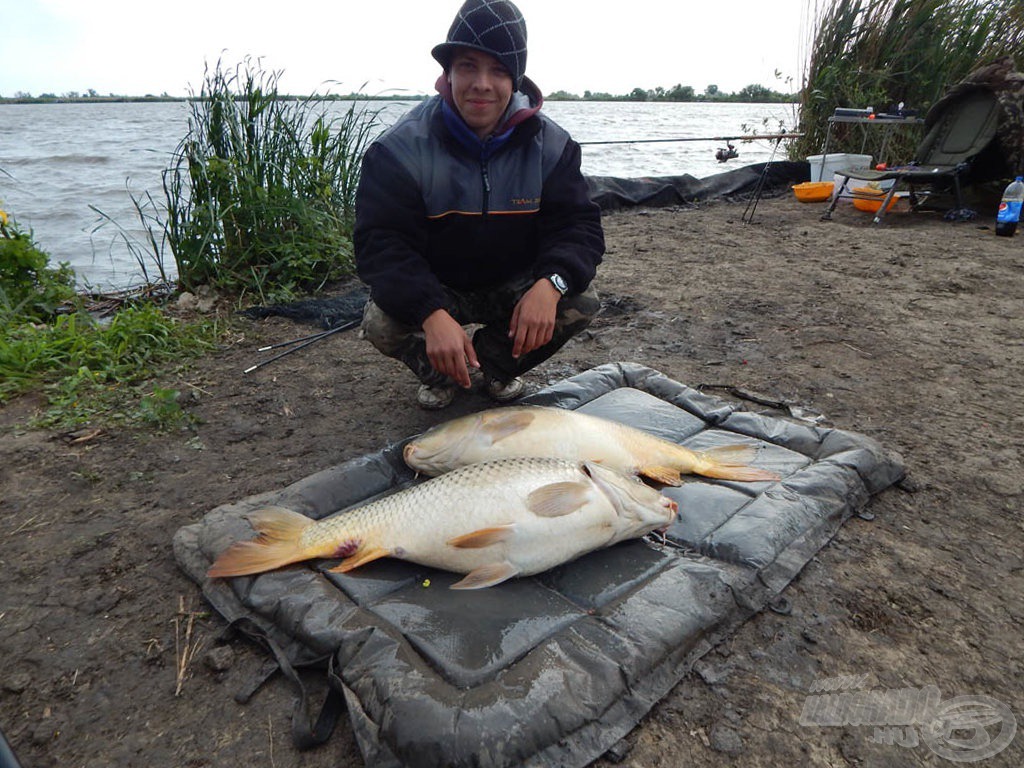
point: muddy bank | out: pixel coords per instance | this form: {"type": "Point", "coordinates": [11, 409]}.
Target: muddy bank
{"type": "Point", "coordinates": [910, 333]}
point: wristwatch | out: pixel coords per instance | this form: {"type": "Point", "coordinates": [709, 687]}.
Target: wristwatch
{"type": "Point", "coordinates": [559, 282]}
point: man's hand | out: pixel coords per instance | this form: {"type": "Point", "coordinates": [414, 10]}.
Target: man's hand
{"type": "Point", "coordinates": [449, 347]}
{"type": "Point", "coordinates": [533, 319]}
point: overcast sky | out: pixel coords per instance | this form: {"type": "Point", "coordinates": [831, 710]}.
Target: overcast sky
{"type": "Point", "coordinates": [134, 48]}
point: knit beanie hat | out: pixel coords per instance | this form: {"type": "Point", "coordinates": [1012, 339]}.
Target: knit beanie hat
{"type": "Point", "coordinates": [492, 26]}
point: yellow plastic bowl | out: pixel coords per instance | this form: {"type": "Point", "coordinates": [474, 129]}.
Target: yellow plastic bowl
{"type": "Point", "coordinates": [862, 199]}
{"type": "Point", "coordinates": [813, 191]}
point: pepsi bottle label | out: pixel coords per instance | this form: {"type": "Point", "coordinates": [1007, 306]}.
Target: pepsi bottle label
{"type": "Point", "coordinates": [1009, 212]}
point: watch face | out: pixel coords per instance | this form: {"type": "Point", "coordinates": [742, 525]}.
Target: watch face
{"type": "Point", "coordinates": [559, 282]}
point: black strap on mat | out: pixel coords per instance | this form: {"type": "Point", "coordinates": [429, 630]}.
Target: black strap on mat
{"type": "Point", "coordinates": [304, 735]}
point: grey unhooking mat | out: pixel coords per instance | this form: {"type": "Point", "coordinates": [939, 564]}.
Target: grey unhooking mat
{"type": "Point", "coordinates": [552, 669]}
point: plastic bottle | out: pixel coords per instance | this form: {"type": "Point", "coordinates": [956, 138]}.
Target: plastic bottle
{"type": "Point", "coordinates": [1009, 208]}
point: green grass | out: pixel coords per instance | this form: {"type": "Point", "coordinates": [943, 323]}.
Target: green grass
{"type": "Point", "coordinates": [85, 368]}
{"type": "Point", "coordinates": [261, 192]}
{"type": "Point", "coordinates": [88, 370]}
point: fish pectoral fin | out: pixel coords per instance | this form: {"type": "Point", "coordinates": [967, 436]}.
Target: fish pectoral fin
{"type": "Point", "coordinates": [666, 475]}
{"type": "Point", "coordinates": [558, 499]}
{"type": "Point", "coordinates": [361, 557]}
{"type": "Point", "coordinates": [483, 537]}
{"type": "Point", "coordinates": [487, 576]}
{"type": "Point", "coordinates": [499, 425]}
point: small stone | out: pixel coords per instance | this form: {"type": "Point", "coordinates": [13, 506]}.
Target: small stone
{"type": "Point", "coordinates": [220, 658]}
{"type": "Point", "coordinates": [17, 682]}
{"type": "Point", "coordinates": [712, 675]}
{"type": "Point", "coordinates": [725, 740]}
{"type": "Point", "coordinates": [206, 305]}
{"type": "Point", "coordinates": [43, 733]}
{"type": "Point", "coordinates": [618, 751]}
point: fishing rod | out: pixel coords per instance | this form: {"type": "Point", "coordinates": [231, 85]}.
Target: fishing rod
{"type": "Point", "coordinates": [748, 213]}
{"type": "Point", "coordinates": [312, 337]}
{"type": "Point", "coordinates": [300, 343]}
{"type": "Point", "coordinates": [746, 137]}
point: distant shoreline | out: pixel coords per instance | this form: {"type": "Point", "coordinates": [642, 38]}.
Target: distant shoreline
{"type": "Point", "coordinates": [762, 97]}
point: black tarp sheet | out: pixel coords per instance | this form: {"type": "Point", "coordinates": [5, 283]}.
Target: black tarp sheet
{"type": "Point", "coordinates": [761, 179]}
{"type": "Point", "coordinates": [552, 669]}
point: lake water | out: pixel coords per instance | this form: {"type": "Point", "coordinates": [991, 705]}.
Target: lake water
{"type": "Point", "coordinates": [59, 161]}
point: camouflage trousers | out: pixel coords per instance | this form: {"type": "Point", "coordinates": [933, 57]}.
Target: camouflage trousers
{"type": "Point", "coordinates": [492, 310]}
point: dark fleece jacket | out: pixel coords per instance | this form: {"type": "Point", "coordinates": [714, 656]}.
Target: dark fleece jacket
{"type": "Point", "coordinates": [433, 209]}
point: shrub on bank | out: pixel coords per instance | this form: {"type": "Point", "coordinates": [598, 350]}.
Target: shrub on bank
{"type": "Point", "coordinates": [30, 290]}
{"type": "Point", "coordinates": [261, 191]}
{"type": "Point", "coordinates": [83, 366]}
{"type": "Point", "coordinates": [880, 53]}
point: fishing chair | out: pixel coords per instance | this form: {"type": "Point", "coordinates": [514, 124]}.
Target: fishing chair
{"type": "Point", "coordinates": [957, 128]}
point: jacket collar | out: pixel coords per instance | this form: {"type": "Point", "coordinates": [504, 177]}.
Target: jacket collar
{"type": "Point", "coordinates": [524, 104]}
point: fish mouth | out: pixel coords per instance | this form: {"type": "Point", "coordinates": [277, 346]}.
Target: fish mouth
{"type": "Point", "coordinates": [673, 509]}
{"type": "Point", "coordinates": [438, 449]}
{"type": "Point", "coordinates": [621, 497]}
{"type": "Point", "coordinates": [423, 459]}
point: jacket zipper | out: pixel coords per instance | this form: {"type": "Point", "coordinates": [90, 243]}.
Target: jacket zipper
{"type": "Point", "coordinates": [487, 185]}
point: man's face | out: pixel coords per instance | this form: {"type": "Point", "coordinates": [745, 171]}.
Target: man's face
{"type": "Point", "coordinates": [481, 87]}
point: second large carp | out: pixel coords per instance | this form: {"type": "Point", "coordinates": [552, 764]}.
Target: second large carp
{"type": "Point", "coordinates": [573, 436]}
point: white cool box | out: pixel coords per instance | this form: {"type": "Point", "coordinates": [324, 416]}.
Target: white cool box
{"type": "Point", "coordinates": [835, 161]}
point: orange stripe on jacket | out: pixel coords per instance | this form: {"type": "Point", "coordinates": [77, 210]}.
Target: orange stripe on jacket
{"type": "Point", "coordinates": [478, 213]}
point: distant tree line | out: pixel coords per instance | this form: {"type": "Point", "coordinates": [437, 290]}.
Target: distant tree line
{"type": "Point", "coordinates": [23, 97]}
{"type": "Point", "coordinates": [751, 94]}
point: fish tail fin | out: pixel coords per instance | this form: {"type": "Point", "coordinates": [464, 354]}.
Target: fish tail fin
{"type": "Point", "coordinates": [279, 543]}
{"type": "Point", "coordinates": [731, 462]}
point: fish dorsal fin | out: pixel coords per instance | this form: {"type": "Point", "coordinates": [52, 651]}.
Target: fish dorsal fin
{"type": "Point", "coordinates": [499, 425]}
{"type": "Point", "coordinates": [558, 499]}
{"type": "Point", "coordinates": [666, 475]}
{"type": "Point", "coordinates": [487, 576]}
{"type": "Point", "coordinates": [484, 537]}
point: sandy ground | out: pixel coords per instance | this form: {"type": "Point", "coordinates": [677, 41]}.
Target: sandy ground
{"type": "Point", "coordinates": [910, 332]}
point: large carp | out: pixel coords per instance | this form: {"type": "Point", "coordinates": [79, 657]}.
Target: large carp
{"type": "Point", "coordinates": [492, 521]}
{"type": "Point", "coordinates": [537, 431]}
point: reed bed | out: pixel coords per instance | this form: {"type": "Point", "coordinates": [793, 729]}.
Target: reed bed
{"type": "Point", "coordinates": [261, 191]}
{"type": "Point", "coordinates": [881, 53]}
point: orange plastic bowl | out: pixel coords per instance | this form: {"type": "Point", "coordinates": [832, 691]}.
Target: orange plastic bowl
{"type": "Point", "coordinates": [813, 191]}
{"type": "Point", "coordinates": [863, 199]}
